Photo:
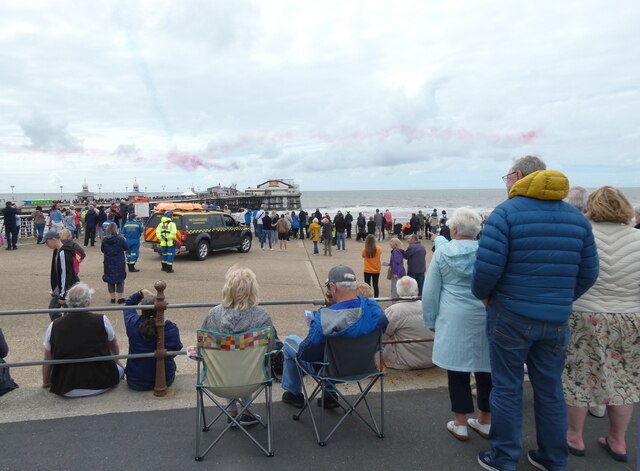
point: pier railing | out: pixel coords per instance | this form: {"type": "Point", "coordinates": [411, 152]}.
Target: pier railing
{"type": "Point", "coordinates": [160, 353]}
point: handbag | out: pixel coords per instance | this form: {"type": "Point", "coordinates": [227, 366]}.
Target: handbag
{"type": "Point", "coordinates": [389, 275]}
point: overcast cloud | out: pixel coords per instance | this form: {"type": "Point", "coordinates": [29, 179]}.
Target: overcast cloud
{"type": "Point", "coordinates": [337, 95]}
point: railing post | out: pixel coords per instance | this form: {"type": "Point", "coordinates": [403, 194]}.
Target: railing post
{"type": "Point", "coordinates": [160, 353]}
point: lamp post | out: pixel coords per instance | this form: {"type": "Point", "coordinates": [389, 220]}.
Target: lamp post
{"type": "Point", "coordinates": [126, 190]}
{"type": "Point", "coordinates": [61, 191]}
{"type": "Point", "coordinates": [99, 190]}
{"type": "Point", "coordinates": [12, 195]}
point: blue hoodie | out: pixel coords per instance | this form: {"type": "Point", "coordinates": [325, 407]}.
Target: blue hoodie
{"type": "Point", "coordinates": [351, 318]}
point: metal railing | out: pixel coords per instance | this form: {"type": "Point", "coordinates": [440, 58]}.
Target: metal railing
{"type": "Point", "coordinates": [160, 353]}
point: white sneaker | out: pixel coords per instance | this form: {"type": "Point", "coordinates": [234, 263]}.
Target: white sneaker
{"type": "Point", "coordinates": [598, 411]}
{"type": "Point", "coordinates": [458, 431]}
{"type": "Point", "coordinates": [482, 429]}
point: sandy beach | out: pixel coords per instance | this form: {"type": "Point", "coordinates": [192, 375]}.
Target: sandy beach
{"type": "Point", "coordinates": [283, 276]}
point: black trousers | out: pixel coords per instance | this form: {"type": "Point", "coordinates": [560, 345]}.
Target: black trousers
{"type": "Point", "coordinates": [90, 235]}
{"type": "Point", "coordinates": [372, 280]}
{"type": "Point", "coordinates": [460, 391]}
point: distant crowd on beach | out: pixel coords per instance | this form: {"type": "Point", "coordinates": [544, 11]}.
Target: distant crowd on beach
{"type": "Point", "coordinates": [547, 287]}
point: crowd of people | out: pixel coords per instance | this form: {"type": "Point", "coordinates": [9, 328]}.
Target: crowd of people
{"type": "Point", "coordinates": [551, 289]}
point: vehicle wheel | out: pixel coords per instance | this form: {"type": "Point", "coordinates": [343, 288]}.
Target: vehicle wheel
{"type": "Point", "coordinates": [245, 244]}
{"type": "Point", "coordinates": [202, 250]}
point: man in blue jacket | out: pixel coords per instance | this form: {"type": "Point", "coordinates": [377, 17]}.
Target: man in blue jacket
{"type": "Point", "coordinates": [132, 230]}
{"type": "Point", "coordinates": [350, 316]}
{"type": "Point", "coordinates": [536, 256]}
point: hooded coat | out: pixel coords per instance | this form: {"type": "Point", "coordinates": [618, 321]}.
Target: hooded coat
{"type": "Point", "coordinates": [459, 317]}
{"type": "Point", "coordinates": [113, 249]}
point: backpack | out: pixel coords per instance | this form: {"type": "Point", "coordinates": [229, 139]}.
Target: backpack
{"type": "Point", "coordinates": [277, 362]}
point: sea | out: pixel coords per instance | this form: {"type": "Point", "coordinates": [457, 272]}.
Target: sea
{"type": "Point", "coordinates": [401, 203]}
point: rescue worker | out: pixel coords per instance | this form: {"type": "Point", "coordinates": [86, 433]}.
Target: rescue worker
{"type": "Point", "coordinates": [166, 233]}
{"type": "Point", "coordinates": [132, 230]}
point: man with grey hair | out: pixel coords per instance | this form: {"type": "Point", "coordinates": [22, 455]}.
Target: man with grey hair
{"type": "Point", "coordinates": [349, 316]}
{"type": "Point", "coordinates": [80, 335]}
{"type": "Point", "coordinates": [405, 323]}
{"type": "Point", "coordinates": [528, 279]}
{"type": "Point", "coordinates": [578, 197]}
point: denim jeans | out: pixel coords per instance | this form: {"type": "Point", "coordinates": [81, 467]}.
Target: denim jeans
{"type": "Point", "coordinates": [315, 247]}
{"type": "Point", "coordinates": [260, 234]}
{"type": "Point", "coordinates": [291, 380]}
{"type": "Point", "coordinates": [514, 340]}
{"type": "Point", "coordinates": [340, 236]}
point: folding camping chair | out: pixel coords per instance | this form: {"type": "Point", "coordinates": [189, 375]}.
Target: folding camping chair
{"type": "Point", "coordinates": [232, 366]}
{"type": "Point", "coordinates": [346, 360]}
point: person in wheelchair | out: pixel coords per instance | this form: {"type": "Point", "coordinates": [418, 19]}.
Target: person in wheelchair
{"type": "Point", "coordinates": [239, 312]}
{"type": "Point", "coordinates": [349, 316]}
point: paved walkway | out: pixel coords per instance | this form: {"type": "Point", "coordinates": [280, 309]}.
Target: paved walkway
{"type": "Point", "coordinates": [415, 439]}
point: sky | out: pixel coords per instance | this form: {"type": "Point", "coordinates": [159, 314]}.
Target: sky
{"type": "Point", "coordinates": [337, 95]}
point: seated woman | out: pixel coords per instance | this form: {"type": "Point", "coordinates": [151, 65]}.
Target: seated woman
{"type": "Point", "coordinates": [238, 313]}
{"type": "Point", "coordinates": [80, 335]}
{"type": "Point", "coordinates": [6, 382]}
{"type": "Point", "coordinates": [141, 330]}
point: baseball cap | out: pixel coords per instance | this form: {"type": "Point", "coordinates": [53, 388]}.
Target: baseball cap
{"type": "Point", "coordinates": [51, 235]}
{"type": "Point", "coordinates": [341, 273]}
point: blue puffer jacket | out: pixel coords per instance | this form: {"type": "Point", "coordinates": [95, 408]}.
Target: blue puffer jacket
{"type": "Point", "coordinates": [352, 318]}
{"type": "Point", "coordinates": [537, 254]}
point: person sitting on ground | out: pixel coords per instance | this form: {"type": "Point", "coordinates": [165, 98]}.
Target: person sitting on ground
{"type": "Point", "coordinates": [142, 334]}
{"type": "Point", "coordinates": [6, 382]}
{"type": "Point", "coordinates": [350, 316]}
{"type": "Point", "coordinates": [405, 323]}
{"type": "Point", "coordinates": [239, 312]}
{"type": "Point", "coordinates": [364, 289]}
{"type": "Point", "coordinates": [80, 335]}
{"type": "Point", "coordinates": [461, 346]}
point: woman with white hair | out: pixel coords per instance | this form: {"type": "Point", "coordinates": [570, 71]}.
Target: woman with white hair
{"type": "Point", "coordinates": [239, 312]}
{"type": "Point", "coordinates": [461, 346]}
{"type": "Point", "coordinates": [80, 335]}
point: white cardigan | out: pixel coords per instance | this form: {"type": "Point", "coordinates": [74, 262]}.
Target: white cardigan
{"type": "Point", "coordinates": [617, 289]}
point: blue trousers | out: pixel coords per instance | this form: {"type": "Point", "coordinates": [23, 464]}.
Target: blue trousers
{"type": "Point", "coordinates": [291, 380]}
{"type": "Point", "coordinates": [513, 341]}
{"type": "Point", "coordinates": [341, 236]}
{"type": "Point", "coordinates": [134, 250]}
{"type": "Point", "coordinates": [168, 254]}
{"type": "Point", "coordinates": [260, 234]}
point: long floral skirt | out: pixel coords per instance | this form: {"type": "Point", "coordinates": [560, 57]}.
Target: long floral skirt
{"type": "Point", "coordinates": [603, 359]}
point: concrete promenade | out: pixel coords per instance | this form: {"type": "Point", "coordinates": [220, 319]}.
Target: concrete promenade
{"type": "Point", "coordinates": [123, 429]}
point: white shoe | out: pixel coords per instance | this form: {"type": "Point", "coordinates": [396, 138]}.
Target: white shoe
{"type": "Point", "coordinates": [458, 431]}
{"type": "Point", "coordinates": [598, 411]}
{"type": "Point", "coordinates": [482, 429]}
